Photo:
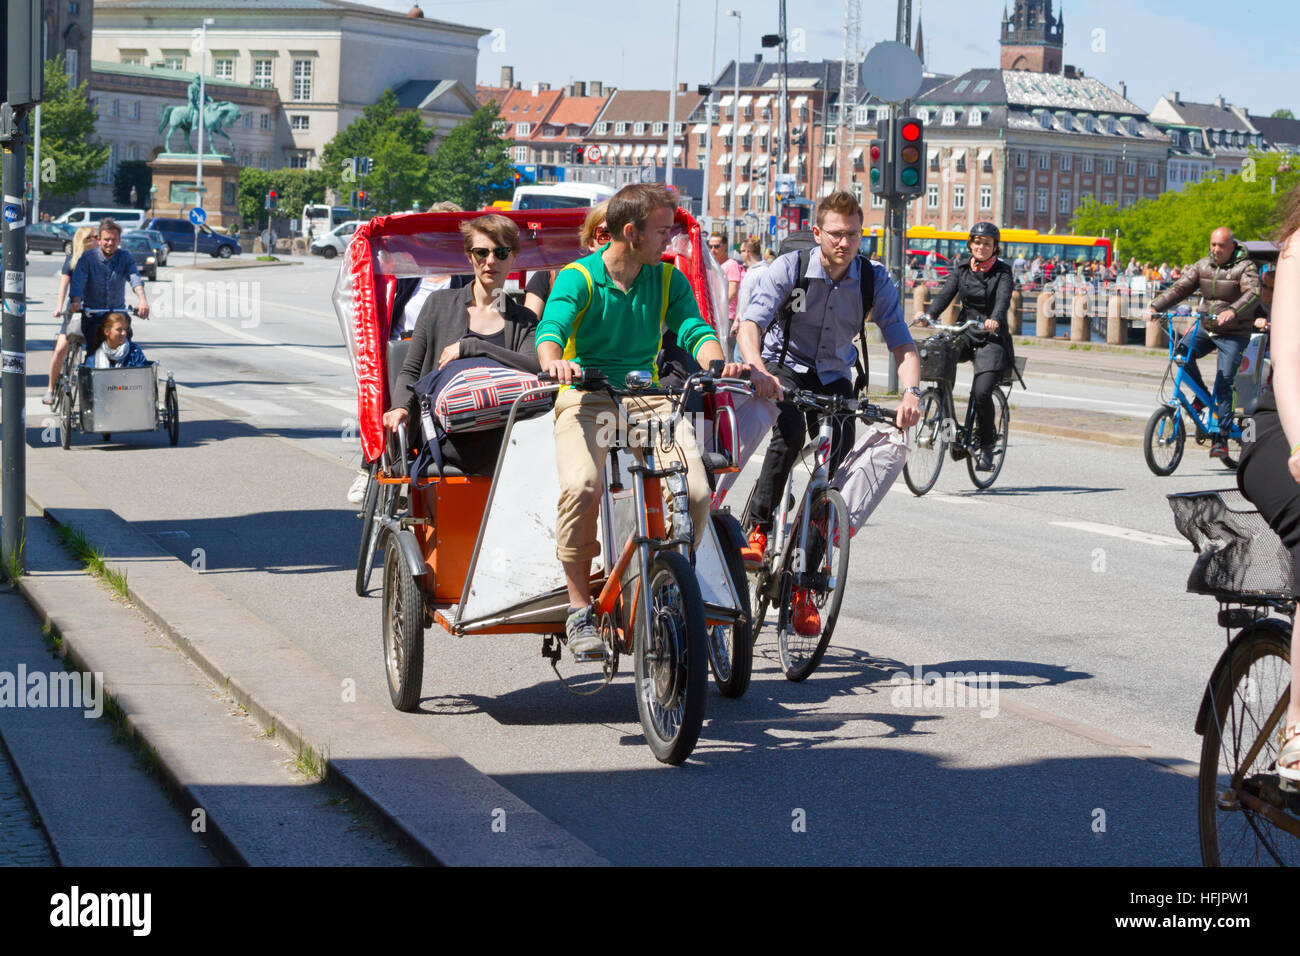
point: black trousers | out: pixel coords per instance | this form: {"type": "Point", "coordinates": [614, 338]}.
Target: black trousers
{"type": "Point", "coordinates": [788, 438]}
{"type": "Point", "coordinates": [981, 393]}
{"type": "Point", "coordinates": [1264, 478]}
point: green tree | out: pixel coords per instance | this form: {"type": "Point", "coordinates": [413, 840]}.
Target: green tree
{"type": "Point", "coordinates": [397, 142]}
{"type": "Point", "coordinates": [71, 157]}
{"type": "Point", "coordinates": [132, 172]}
{"type": "Point", "coordinates": [472, 165]}
{"type": "Point", "coordinates": [1176, 226]}
{"type": "Point", "coordinates": [1282, 114]}
{"type": "Point", "coordinates": [294, 189]}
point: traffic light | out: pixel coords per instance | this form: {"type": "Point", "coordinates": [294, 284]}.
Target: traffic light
{"type": "Point", "coordinates": [361, 198]}
{"type": "Point", "coordinates": [908, 171]}
{"type": "Point", "coordinates": [877, 168]}
{"type": "Point", "coordinates": [272, 198]}
{"type": "Point", "coordinates": [367, 164]}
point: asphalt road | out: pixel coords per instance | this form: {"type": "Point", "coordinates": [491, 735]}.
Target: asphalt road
{"type": "Point", "coordinates": [1066, 581]}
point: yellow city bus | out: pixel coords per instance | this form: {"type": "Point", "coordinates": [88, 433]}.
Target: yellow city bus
{"type": "Point", "coordinates": [1015, 242]}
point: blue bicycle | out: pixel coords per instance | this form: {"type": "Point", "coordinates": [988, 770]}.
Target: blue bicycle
{"type": "Point", "coordinates": [1166, 433]}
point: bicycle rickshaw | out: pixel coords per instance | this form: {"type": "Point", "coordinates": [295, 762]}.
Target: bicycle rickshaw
{"type": "Point", "coordinates": [111, 400]}
{"type": "Point", "coordinates": [475, 554]}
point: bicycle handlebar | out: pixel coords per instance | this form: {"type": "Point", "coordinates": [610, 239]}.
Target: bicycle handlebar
{"type": "Point", "coordinates": [841, 405]}
{"type": "Point", "coordinates": [968, 324]}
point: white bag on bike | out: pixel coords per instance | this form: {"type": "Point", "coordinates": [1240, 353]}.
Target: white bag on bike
{"type": "Point", "coordinates": [869, 469]}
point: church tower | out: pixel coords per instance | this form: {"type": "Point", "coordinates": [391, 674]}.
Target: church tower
{"type": "Point", "coordinates": [1032, 38]}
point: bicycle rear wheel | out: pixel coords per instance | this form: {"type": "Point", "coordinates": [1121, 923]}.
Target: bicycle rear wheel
{"type": "Point", "coordinates": [1249, 682]}
{"type": "Point", "coordinates": [1002, 430]}
{"type": "Point", "coordinates": [926, 457]}
{"type": "Point", "coordinates": [821, 563]}
{"type": "Point", "coordinates": [1164, 439]}
{"type": "Point", "coordinates": [669, 657]}
{"type": "Point", "coordinates": [731, 648]}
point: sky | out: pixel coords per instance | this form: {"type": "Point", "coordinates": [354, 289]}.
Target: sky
{"type": "Point", "coordinates": [1154, 45]}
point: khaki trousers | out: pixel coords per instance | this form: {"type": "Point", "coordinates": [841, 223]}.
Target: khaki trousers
{"type": "Point", "coordinates": [586, 424]}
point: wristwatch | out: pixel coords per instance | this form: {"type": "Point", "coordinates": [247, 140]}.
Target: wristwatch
{"type": "Point", "coordinates": [912, 390]}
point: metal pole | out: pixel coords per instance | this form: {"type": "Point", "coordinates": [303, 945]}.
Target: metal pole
{"type": "Point", "coordinates": [36, 169]}
{"type": "Point", "coordinates": [708, 119]}
{"type": "Point", "coordinates": [13, 344]}
{"type": "Point", "coordinates": [895, 213]}
{"type": "Point", "coordinates": [735, 135]}
{"type": "Point", "coordinates": [203, 57]}
{"type": "Point", "coordinates": [672, 92]}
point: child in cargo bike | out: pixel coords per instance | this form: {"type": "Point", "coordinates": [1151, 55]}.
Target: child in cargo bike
{"type": "Point", "coordinates": [112, 348]}
{"type": "Point", "coordinates": [467, 328]}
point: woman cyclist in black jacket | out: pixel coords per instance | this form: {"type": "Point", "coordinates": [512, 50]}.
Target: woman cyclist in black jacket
{"type": "Point", "coordinates": [984, 283]}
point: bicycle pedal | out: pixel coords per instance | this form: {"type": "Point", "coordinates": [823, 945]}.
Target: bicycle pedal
{"type": "Point", "coordinates": [590, 656]}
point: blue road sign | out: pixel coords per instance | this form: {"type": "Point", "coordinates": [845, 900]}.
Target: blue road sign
{"type": "Point", "coordinates": [771, 225]}
{"type": "Point", "coordinates": [198, 216]}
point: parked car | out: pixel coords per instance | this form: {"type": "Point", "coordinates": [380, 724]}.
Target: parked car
{"type": "Point", "coordinates": [336, 240]}
{"type": "Point", "coordinates": [91, 215]}
{"type": "Point", "coordinates": [49, 237]}
{"type": "Point", "coordinates": [142, 251]}
{"type": "Point", "coordinates": [156, 237]}
{"type": "Point", "coordinates": [178, 236]}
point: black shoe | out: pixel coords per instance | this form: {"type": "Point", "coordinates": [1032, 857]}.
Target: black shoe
{"type": "Point", "coordinates": [1198, 405]}
{"type": "Point", "coordinates": [984, 461]}
{"type": "Point", "coordinates": [1219, 449]}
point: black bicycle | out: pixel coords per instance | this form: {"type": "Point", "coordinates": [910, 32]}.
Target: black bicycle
{"type": "Point", "coordinates": [938, 433]}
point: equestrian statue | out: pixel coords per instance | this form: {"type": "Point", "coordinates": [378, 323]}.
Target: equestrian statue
{"type": "Point", "coordinates": [216, 116]}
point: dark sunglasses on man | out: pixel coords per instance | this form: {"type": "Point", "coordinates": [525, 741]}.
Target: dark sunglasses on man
{"type": "Point", "coordinates": [501, 252]}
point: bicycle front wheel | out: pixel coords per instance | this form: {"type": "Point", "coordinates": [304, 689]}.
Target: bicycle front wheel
{"type": "Point", "coordinates": [1163, 442]}
{"type": "Point", "coordinates": [814, 573]}
{"type": "Point", "coordinates": [670, 655]}
{"type": "Point", "coordinates": [731, 648]}
{"type": "Point", "coordinates": [926, 457]}
{"type": "Point", "coordinates": [1249, 692]}
{"type": "Point", "coordinates": [1001, 431]}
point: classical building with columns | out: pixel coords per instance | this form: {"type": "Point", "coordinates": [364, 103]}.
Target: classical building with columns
{"type": "Point", "coordinates": [323, 60]}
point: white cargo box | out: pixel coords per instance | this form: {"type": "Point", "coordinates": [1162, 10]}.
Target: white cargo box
{"type": "Point", "coordinates": [119, 399]}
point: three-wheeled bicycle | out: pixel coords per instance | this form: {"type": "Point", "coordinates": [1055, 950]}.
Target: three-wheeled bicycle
{"type": "Point", "coordinates": [111, 400]}
{"type": "Point", "coordinates": [474, 554]}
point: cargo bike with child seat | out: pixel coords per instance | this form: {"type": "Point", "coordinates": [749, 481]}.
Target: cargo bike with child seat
{"type": "Point", "coordinates": [474, 554]}
{"type": "Point", "coordinates": [111, 400]}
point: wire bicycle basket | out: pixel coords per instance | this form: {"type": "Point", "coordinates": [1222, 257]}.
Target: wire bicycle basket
{"type": "Point", "coordinates": [1238, 555]}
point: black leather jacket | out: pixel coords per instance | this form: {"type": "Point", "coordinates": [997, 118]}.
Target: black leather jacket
{"type": "Point", "coordinates": [984, 295]}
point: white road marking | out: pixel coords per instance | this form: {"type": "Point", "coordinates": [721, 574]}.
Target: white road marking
{"type": "Point", "coordinates": [1129, 534]}
{"type": "Point", "coordinates": [297, 350]}
{"type": "Point", "coordinates": [256, 408]}
{"type": "Point", "coordinates": [342, 404]}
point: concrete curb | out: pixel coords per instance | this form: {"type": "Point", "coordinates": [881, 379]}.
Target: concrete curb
{"type": "Point", "coordinates": [1078, 434]}
{"type": "Point", "coordinates": [439, 804]}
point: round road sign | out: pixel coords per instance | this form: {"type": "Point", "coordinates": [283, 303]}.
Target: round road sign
{"type": "Point", "coordinates": [892, 71]}
{"type": "Point", "coordinates": [594, 153]}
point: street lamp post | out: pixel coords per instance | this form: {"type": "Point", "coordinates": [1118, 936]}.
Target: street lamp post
{"type": "Point", "coordinates": [735, 133]}
{"type": "Point", "coordinates": [672, 93]}
{"type": "Point", "coordinates": [203, 57]}
{"type": "Point", "coordinates": [708, 119]}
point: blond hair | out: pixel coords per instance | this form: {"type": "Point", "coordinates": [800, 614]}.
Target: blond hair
{"type": "Point", "coordinates": [587, 234]}
{"type": "Point", "coordinates": [79, 243]}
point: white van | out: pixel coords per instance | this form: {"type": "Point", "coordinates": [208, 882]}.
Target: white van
{"type": "Point", "coordinates": [91, 215]}
{"type": "Point", "coordinates": [561, 195]}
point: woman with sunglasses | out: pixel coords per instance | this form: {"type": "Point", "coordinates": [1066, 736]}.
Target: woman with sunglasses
{"type": "Point", "coordinates": [984, 283]}
{"type": "Point", "coordinates": [477, 320]}
{"type": "Point", "coordinates": [593, 235]}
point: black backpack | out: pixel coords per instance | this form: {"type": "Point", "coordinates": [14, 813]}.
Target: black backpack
{"type": "Point", "coordinates": [803, 243]}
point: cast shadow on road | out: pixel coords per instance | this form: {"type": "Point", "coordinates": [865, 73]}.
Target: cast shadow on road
{"type": "Point", "coordinates": [46, 434]}
{"type": "Point", "coordinates": [771, 701]}
{"type": "Point", "coordinates": [1013, 491]}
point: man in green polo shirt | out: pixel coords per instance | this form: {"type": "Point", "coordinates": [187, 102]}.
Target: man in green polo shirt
{"type": "Point", "coordinates": [608, 311]}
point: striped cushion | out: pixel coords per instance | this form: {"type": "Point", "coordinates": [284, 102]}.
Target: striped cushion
{"type": "Point", "coordinates": [479, 399]}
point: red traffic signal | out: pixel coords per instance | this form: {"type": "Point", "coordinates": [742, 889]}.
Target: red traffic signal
{"type": "Point", "coordinates": [273, 194]}
{"type": "Point", "coordinates": [911, 131]}
{"type": "Point", "coordinates": [518, 176]}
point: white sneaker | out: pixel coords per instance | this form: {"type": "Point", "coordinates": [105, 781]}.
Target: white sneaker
{"type": "Point", "coordinates": [47, 398]}
{"type": "Point", "coordinates": [357, 493]}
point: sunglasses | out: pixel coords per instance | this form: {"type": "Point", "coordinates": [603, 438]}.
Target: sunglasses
{"type": "Point", "coordinates": [603, 234]}
{"type": "Point", "coordinates": [501, 252]}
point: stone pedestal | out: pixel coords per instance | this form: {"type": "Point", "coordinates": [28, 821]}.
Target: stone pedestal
{"type": "Point", "coordinates": [1080, 326]}
{"type": "Point", "coordinates": [174, 175]}
{"type": "Point", "coordinates": [1045, 317]}
{"type": "Point", "coordinates": [1016, 312]}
